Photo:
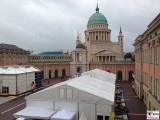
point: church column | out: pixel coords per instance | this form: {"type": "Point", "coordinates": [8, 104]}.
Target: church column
{"type": "Point", "coordinates": [101, 36]}
{"type": "Point", "coordinates": [92, 36]}
{"type": "Point", "coordinates": [95, 36]}
{"type": "Point", "coordinates": [107, 36]}
{"type": "Point", "coordinates": [75, 56]}
{"type": "Point", "coordinates": [109, 58]}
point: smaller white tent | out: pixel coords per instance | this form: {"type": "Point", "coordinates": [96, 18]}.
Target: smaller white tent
{"type": "Point", "coordinates": [101, 75]}
{"type": "Point", "coordinates": [63, 115]}
{"type": "Point", "coordinates": [34, 113]}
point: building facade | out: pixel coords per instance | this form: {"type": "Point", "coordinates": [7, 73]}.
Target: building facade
{"type": "Point", "coordinates": [147, 65]}
{"type": "Point", "coordinates": [98, 51]}
{"type": "Point", "coordinates": [52, 64]}
{"type": "Point", "coordinates": [12, 55]}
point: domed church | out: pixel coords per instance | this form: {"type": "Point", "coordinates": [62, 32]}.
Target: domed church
{"type": "Point", "coordinates": [98, 40]}
{"type": "Point", "coordinates": [98, 50]}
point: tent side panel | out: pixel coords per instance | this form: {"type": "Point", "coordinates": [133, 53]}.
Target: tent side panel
{"type": "Point", "coordinates": [30, 78]}
{"type": "Point", "coordinates": [104, 110]}
{"type": "Point", "coordinates": [21, 83]}
{"type": "Point", "coordinates": [88, 109]}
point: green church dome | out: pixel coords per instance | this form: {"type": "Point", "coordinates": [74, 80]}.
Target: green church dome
{"type": "Point", "coordinates": [97, 18]}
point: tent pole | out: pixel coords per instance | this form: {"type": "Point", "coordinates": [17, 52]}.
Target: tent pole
{"type": "Point", "coordinates": [78, 110]}
{"type": "Point", "coordinates": [96, 111]}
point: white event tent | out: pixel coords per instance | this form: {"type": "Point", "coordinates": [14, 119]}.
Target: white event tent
{"type": "Point", "coordinates": [83, 94]}
{"type": "Point", "coordinates": [16, 79]}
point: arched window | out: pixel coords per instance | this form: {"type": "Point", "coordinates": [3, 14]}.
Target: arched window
{"type": "Point", "coordinates": [119, 75]}
{"type": "Point", "coordinates": [130, 76]}
{"type": "Point", "coordinates": [63, 72]}
{"type": "Point", "coordinates": [49, 74]}
{"type": "Point", "coordinates": [79, 70]}
{"type": "Point", "coordinates": [56, 73]}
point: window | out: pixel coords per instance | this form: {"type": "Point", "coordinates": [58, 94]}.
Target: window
{"type": "Point", "coordinates": [69, 93]}
{"type": "Point", "coordinates": [157, 87]}
{"type": "Point", "coordinates": [152, 80]}
{"type": "Point", "coordinates": [61, 93]}
{"type": "Point", "coordinates": [152, 54]}
{"type": "Point", "coordinates": [5, 89]}
{"type": "Point", "coordinates": [99, 117]}
{"type": "Point", "coordinates": [96, 37]}
{"type": "Point", "coordinates": [156, 54]}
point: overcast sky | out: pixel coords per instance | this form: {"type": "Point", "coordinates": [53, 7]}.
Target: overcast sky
{"type": "Point", "coordinates": [47, 25]}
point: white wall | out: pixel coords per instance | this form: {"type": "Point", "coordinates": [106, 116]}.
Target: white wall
{"type": "Point", "coordinates": [24, 81]}
{"type": "Point", "coordinates": [88, 109]}
{"type": "Point", "coordinates": [9, 81]}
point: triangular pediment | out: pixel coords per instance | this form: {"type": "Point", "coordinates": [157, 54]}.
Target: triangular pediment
{"type": "Point", "coordinates": [105, 52]}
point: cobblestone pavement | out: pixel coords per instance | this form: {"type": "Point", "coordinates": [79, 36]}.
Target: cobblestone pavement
{"type": "Point", "coordinates": [137, 108]}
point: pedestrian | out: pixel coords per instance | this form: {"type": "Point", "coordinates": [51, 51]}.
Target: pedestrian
{"type": "Point", "coordinates": [133, 84]}
{"type": "Point", "coordinates": [48, 81]}
{"type": "Point", "coordinates": [142, 98]}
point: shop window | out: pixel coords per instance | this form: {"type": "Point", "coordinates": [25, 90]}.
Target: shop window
{"type": "Point", "coordinates": [99, 117]}
{"type": "Point", "coordinates": [5, 89]}
{"type": "Point", "coordinates": [106, 117]}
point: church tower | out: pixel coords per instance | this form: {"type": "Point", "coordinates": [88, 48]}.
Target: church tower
{"type": "Point", "coordinates": [120, 41]}
{"type": "Point", "coordinates": [79, 62]}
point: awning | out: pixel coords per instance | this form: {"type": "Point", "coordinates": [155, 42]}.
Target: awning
{"type": "Point", "coordinates": [34, 112]}
{"type": "Point", "coordinates": [63, 115]}
{"type": "Point", "coordinates": [20, 118]}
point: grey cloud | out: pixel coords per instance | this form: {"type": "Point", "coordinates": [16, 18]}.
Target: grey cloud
{"type": "Point", "coordinates": [42, 25]}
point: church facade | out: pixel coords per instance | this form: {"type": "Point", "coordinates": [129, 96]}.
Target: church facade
{"type": "Point", "coordinates": [98, 50]}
